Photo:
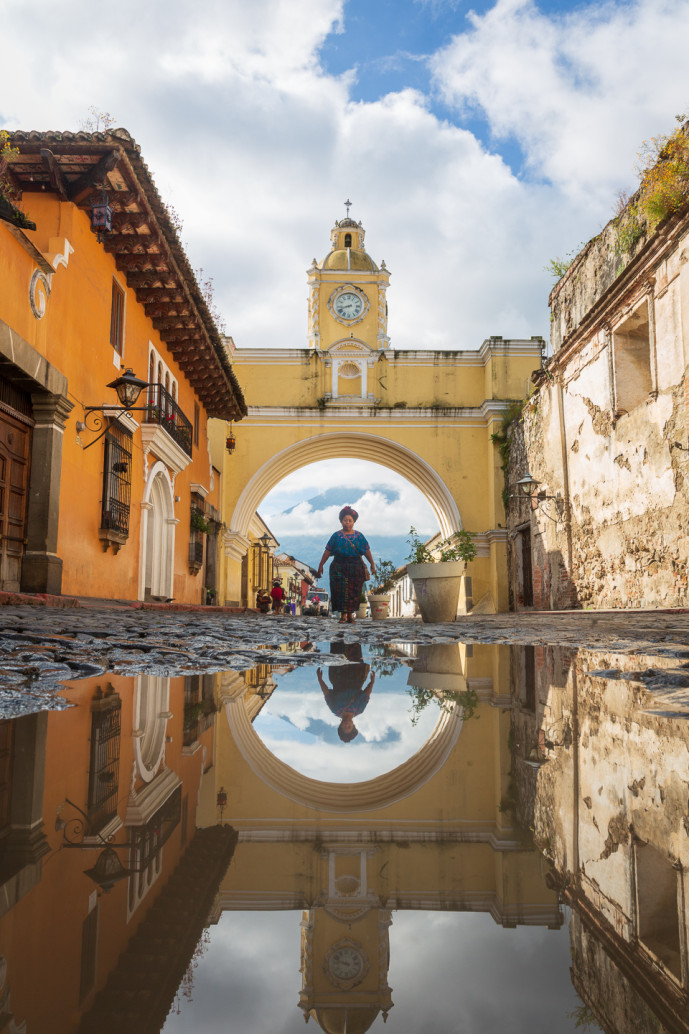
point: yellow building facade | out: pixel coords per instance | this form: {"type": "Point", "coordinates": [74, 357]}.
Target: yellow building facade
{"type": "Point", "coordinates": [427, 415]}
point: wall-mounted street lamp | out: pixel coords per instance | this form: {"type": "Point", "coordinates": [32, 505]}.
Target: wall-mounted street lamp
{"type": "Point", "coordinates": [101, 216]}
{"type": "Point", "coordinates": [128, 387]}
{"type": "Point", "coordinates": [230, 441]}
{"type": "Point", "coordinates": [108, 869]}
{"type": "Point", "coordinates": [528, 488]}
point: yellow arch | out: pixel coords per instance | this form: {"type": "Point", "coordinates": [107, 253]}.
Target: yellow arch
{"type": "Point", "coordinates": [350, 445]}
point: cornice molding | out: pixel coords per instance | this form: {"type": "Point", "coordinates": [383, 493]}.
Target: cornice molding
{"type": "Point", "coordinates": [141, 807]}
{"type": "Point", "coordinates": [515, 349]}
{"type": "Point", "coordinates": [157, 441]}
{"type": "Point", "coordinates": [377, 416]}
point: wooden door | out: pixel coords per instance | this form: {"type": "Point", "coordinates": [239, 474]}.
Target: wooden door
{"type": "Point", "coordinates": [15, 453]}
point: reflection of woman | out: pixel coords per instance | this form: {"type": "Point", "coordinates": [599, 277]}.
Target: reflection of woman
{"type": "Point", "coordinates": [347, 571]}
{"type": "Point", "coordinates": [348, 696]}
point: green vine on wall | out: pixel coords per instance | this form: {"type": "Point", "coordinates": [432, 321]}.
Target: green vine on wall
{"type": "Point", "coordinates": [502, 440]}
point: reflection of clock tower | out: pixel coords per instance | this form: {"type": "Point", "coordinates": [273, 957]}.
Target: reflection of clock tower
{"type": "Point", "coordinates": [348, 313]}
{"type": "Point", "coordinates": [345, 950]}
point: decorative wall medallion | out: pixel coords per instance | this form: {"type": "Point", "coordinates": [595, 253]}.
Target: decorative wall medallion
{"type": "Point", "coordinates": [345, 964]}
{"type": "Point", "coordinates": [348, 304]}
{"type": "Point", "coordinates": [39, 293]}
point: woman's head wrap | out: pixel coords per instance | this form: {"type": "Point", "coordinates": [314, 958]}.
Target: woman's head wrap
{"type": "Point", "coordinates": [345, 511]}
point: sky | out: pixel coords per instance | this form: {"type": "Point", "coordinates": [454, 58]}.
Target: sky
{"type": "Point", "coordinates": [476, 140]}
{"type": "Point", "coordinates": [450, 973]}
{"type": "Point", "coordinates": [301, 511]}
{"type": "Point", "coordinates": [298, 727]}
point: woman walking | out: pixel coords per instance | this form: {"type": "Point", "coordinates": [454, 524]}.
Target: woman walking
{"type": "Point", "coordinates": [347, 571]}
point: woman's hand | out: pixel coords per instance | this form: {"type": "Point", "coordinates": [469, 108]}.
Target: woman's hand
{"type": "Point", "coordinates": [319, 572]}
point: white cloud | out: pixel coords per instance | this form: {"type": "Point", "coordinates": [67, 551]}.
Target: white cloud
{"type": "Point", "coordinates": [257, 147]}
{"type": "Point", "coordinates": [299, 701]}
{"type": "Point", "coordinates": [578, 91]}
{"type": "Point", "coordinates": [378, 516]}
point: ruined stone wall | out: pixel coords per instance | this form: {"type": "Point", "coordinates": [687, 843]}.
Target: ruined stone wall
{"type": "Point", "coordinates": [616, 456]}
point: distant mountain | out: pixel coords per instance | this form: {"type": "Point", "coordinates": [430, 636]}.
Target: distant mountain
{"type": "Point", "coordinates": [309, 548]}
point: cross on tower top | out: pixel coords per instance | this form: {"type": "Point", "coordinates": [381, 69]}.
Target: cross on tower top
{"type": "Point", "coordinates": [348, 205]}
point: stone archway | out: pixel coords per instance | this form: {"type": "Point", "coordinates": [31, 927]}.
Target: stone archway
{"type": "Point", "coordinates": [350, 445]}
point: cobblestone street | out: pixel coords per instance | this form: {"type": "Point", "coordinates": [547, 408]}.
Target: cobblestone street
{"type": "Point", "coordinates": [43, 647]}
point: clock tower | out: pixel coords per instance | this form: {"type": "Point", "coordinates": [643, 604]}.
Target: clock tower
{"type": "Point", "coordinates": [348, 312]}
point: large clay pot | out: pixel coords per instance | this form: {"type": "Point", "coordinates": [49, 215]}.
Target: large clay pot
{"type": "Point", "coordinates": [379, 606]}
{"type": "Point", "coordinates": [436, 587]}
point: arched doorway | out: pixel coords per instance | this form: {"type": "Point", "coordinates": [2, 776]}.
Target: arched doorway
{"type": "Point", "coordinates": [158, 536]}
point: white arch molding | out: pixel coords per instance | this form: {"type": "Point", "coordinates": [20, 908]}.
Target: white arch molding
{"type": "Point", "coordinates": [349, 445]}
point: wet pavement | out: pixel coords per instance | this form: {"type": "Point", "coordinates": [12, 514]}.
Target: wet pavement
{"type": "Point", "coordinates": [41, 647]}
{"type": "Point", "coordinates": [475, 826]}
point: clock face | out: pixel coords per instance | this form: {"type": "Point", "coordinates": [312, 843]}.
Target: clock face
{"type": "Point", "coordinates": [346, 964]}
{"type": "Point", "coordinates": [348, 305]}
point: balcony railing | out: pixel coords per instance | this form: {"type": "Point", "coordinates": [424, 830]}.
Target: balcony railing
{"type": "Point", "coordinates": [163, 410]}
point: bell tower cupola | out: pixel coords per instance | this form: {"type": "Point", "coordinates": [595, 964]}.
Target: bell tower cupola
{"type": "Point", "coordinates": [347, 292]}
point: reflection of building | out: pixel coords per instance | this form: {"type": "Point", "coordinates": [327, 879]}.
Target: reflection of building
{"type": "Point", "coordinates": [603, 780]}
{"type": "Point", "coordinates": [432, 834]}
{"type": "Point", "coordinates": [123, 766]}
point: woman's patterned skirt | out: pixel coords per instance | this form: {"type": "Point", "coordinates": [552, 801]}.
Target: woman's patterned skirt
{"type": "Point", "coordinates": [347, 577]}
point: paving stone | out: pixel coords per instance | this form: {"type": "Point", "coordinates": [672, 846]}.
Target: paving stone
{"type": "Point", "coordinates": [41, 646]}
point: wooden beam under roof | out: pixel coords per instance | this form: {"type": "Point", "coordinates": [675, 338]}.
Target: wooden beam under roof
{"type": "Point", "coordinates": [155, 260]}
{"type": "Point", "coordinates": [57, 180]}
{"type": "Point", "coordinates": [124, 219]}
{"type": "Point", "coordinates": [80, 188]}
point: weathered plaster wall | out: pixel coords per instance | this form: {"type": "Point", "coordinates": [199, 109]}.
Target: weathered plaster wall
{"type": "Point", "coordinates": [619, 534]}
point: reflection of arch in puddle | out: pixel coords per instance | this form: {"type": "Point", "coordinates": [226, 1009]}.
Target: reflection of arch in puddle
{"type": "Point", "coordinates": [370, 795]}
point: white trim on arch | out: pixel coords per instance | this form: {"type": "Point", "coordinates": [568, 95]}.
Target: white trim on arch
{"type": "Point", "coordinates": [349, 444]}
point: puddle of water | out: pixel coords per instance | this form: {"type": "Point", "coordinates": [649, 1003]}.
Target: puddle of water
{"type": "Point", "coordinates": [501, 845]}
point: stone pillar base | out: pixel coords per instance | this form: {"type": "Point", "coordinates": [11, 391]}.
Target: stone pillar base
{"type": "Point", "coordinates": [41, 573]}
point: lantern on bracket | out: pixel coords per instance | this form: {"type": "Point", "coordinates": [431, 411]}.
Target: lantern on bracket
{"type": "Point", "coordinates": [101, 216]}
{"type": "Point", "coordinates": [230, 441]}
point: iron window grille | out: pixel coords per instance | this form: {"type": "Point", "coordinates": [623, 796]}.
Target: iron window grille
{"type": "Point", "coordinates": [117, 480]}
{"type": "Point", "coordinates": [104, 767]}
{"type": "Point", "coordinates": [147, 841]}
{"type": "Point", "coordinates": [162, 409]}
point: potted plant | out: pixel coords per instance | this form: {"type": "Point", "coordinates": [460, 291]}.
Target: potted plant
{"type": "Point", "coordinates": [437, 578]}
{"type": "Point", "coordinates": [363, 606]}
{"type": "Point", "coordinates": [379, 594]}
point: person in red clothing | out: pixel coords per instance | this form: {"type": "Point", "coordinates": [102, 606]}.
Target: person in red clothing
{"type": "Point", "coordinates": [277, 596]}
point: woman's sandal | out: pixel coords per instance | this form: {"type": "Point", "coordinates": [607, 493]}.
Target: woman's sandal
{"type": "Point", "coordinates": [343, 620]}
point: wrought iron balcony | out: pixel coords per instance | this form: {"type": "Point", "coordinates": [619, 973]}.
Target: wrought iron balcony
{"type": "Point", "coordinates": [162, 409]}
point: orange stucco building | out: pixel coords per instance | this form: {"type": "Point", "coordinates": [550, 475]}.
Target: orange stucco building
{"type": "Point", "coordinates": [135, 513]}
